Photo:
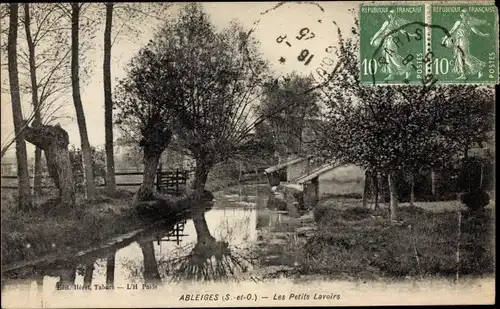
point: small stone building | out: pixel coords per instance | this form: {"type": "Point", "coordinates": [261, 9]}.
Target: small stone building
{"type": "Point", "coordinates": [332, 180]}
{"type": "Point", "coordinates": [288, 171]}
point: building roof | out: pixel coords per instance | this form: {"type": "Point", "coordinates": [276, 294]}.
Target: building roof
{"type": "Point", "coordinates": [315, 173]}
{"type": "Point", "coordinates": [283, 165]}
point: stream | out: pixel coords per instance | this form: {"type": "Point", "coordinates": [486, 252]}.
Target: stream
{"type": "Point", "coordinates": [218, 244]}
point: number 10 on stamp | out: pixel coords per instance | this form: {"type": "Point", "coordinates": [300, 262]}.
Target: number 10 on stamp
{"type": "Point", "coordinates": [392, 44]}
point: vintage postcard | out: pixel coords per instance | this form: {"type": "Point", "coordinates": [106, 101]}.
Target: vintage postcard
{"type": "Point", "coordinates": [217, 154]}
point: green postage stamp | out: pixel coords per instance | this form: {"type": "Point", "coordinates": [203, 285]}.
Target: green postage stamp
{"type": "Point", "coordinates": [392, 43]}
{"type": "Point", "coordinates": [419, 44]}
{"type": "Point", "coordinates": [468, 53]}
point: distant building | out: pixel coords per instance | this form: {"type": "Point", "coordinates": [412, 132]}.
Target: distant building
{"type": "Point", "coordinates": [288, 171]}
{"type": "Point", "coordinates": [331, 180]}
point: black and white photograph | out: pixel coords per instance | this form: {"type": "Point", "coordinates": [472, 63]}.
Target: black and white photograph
{"type": "Point", "coordinates": [215, 154]}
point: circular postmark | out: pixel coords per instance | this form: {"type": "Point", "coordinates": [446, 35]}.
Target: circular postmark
{"type": "Point", "coordinates": [395, 57]}
{"type": "Point", "coordinates": [299, 37]}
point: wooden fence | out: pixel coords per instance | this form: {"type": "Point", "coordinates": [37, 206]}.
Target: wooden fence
{"type": "Point", "coordinates": [172, 182]}
{"type": "Point", "coordinates": [169, 181]}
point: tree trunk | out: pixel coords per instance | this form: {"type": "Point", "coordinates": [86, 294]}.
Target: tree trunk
{"type": "Point", "coordinates": [25, 198]}
{"type": "Point", "coordinates": [110, 270]}
{"type": "Point", "coordinates": [151, 274]}
{"type": "Point", "coordinates": [433, 181]}
{"type": "Point", "coordinates": [412, 189]}
{"type": "Point", "coordinates": [146, 191]}
{"type": "Point", "coordinates": [108, 103]}
{"type": "Point", "coordinates": [37, 183]}
{"type": "Point", "coordinates": [393, 196]}
{"type": "Point", "coordinates": [54, 141]}
{"type": "Point", "coordinates": [203, 236]}
{"type": "Point", "coordinates": [89, 274]}
{"type": "Point", "coordinates": [77, 101]}
{"type": "Point", "coordinates": [200, 177]}
{"type": "Point", "coordinates": [365, 189]}
{"type": "Point", "coordinates": [375, 189]}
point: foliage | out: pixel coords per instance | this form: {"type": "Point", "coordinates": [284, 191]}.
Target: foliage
{"type": "Point", "coordinates": [469, 115]}
{"type": "Point", "coordinates": [386, 128]}
{"type": "Point", "coordinates": [289, 109]}
{"type": "Point", "coordinates": [144, 96]}
{"type": "Point", "coordinates": [216, 86]}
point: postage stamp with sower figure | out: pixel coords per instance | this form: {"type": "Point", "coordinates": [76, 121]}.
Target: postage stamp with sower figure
{"type": "Point", "coordinates": [469, 52]}
{"type": "Point", "coordinates": [392, 43]}
{"type": "Point", "coordinates": [452, 43]}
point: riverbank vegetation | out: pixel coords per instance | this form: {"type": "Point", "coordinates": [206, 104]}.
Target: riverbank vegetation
{"type": "Point", "coordinates": [355, 242]}
{"type": "Point", "coordinates": [33, 234]}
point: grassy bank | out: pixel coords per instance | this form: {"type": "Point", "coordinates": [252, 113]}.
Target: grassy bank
{"type": "Point", "coordinates": [28, 235]}
{"type": "Point", "coordinates": [355, 242]}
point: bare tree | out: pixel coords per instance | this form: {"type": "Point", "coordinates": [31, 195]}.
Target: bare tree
{"type": "Point", "coordinates": [34, 97]}
{"type": "Point", "coordinates": [77, 100]}
{"type": "Point", "coordinates": [25, 198]}
{"type": "Point", "coordinates": [51, 62]}
{"type": "Point", "coordinates": [108, 102]}
{"type": "Point", "coordinates": [110, 269]}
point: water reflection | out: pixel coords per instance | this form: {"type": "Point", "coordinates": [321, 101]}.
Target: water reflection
{"type": "Point", "coordinates": [110, 270]}
{"type": "Point", "coordinates": [150, 274]}
{"type": "Point", "coordinates": [213, 245]}
{"type": "Point", "coordinates": [89, 273]}
{"type": "Point", "coordinates": [211, 259]}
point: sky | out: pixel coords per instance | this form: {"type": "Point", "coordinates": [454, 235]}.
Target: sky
{"type": "Point", "coordinates": [270, 23]}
